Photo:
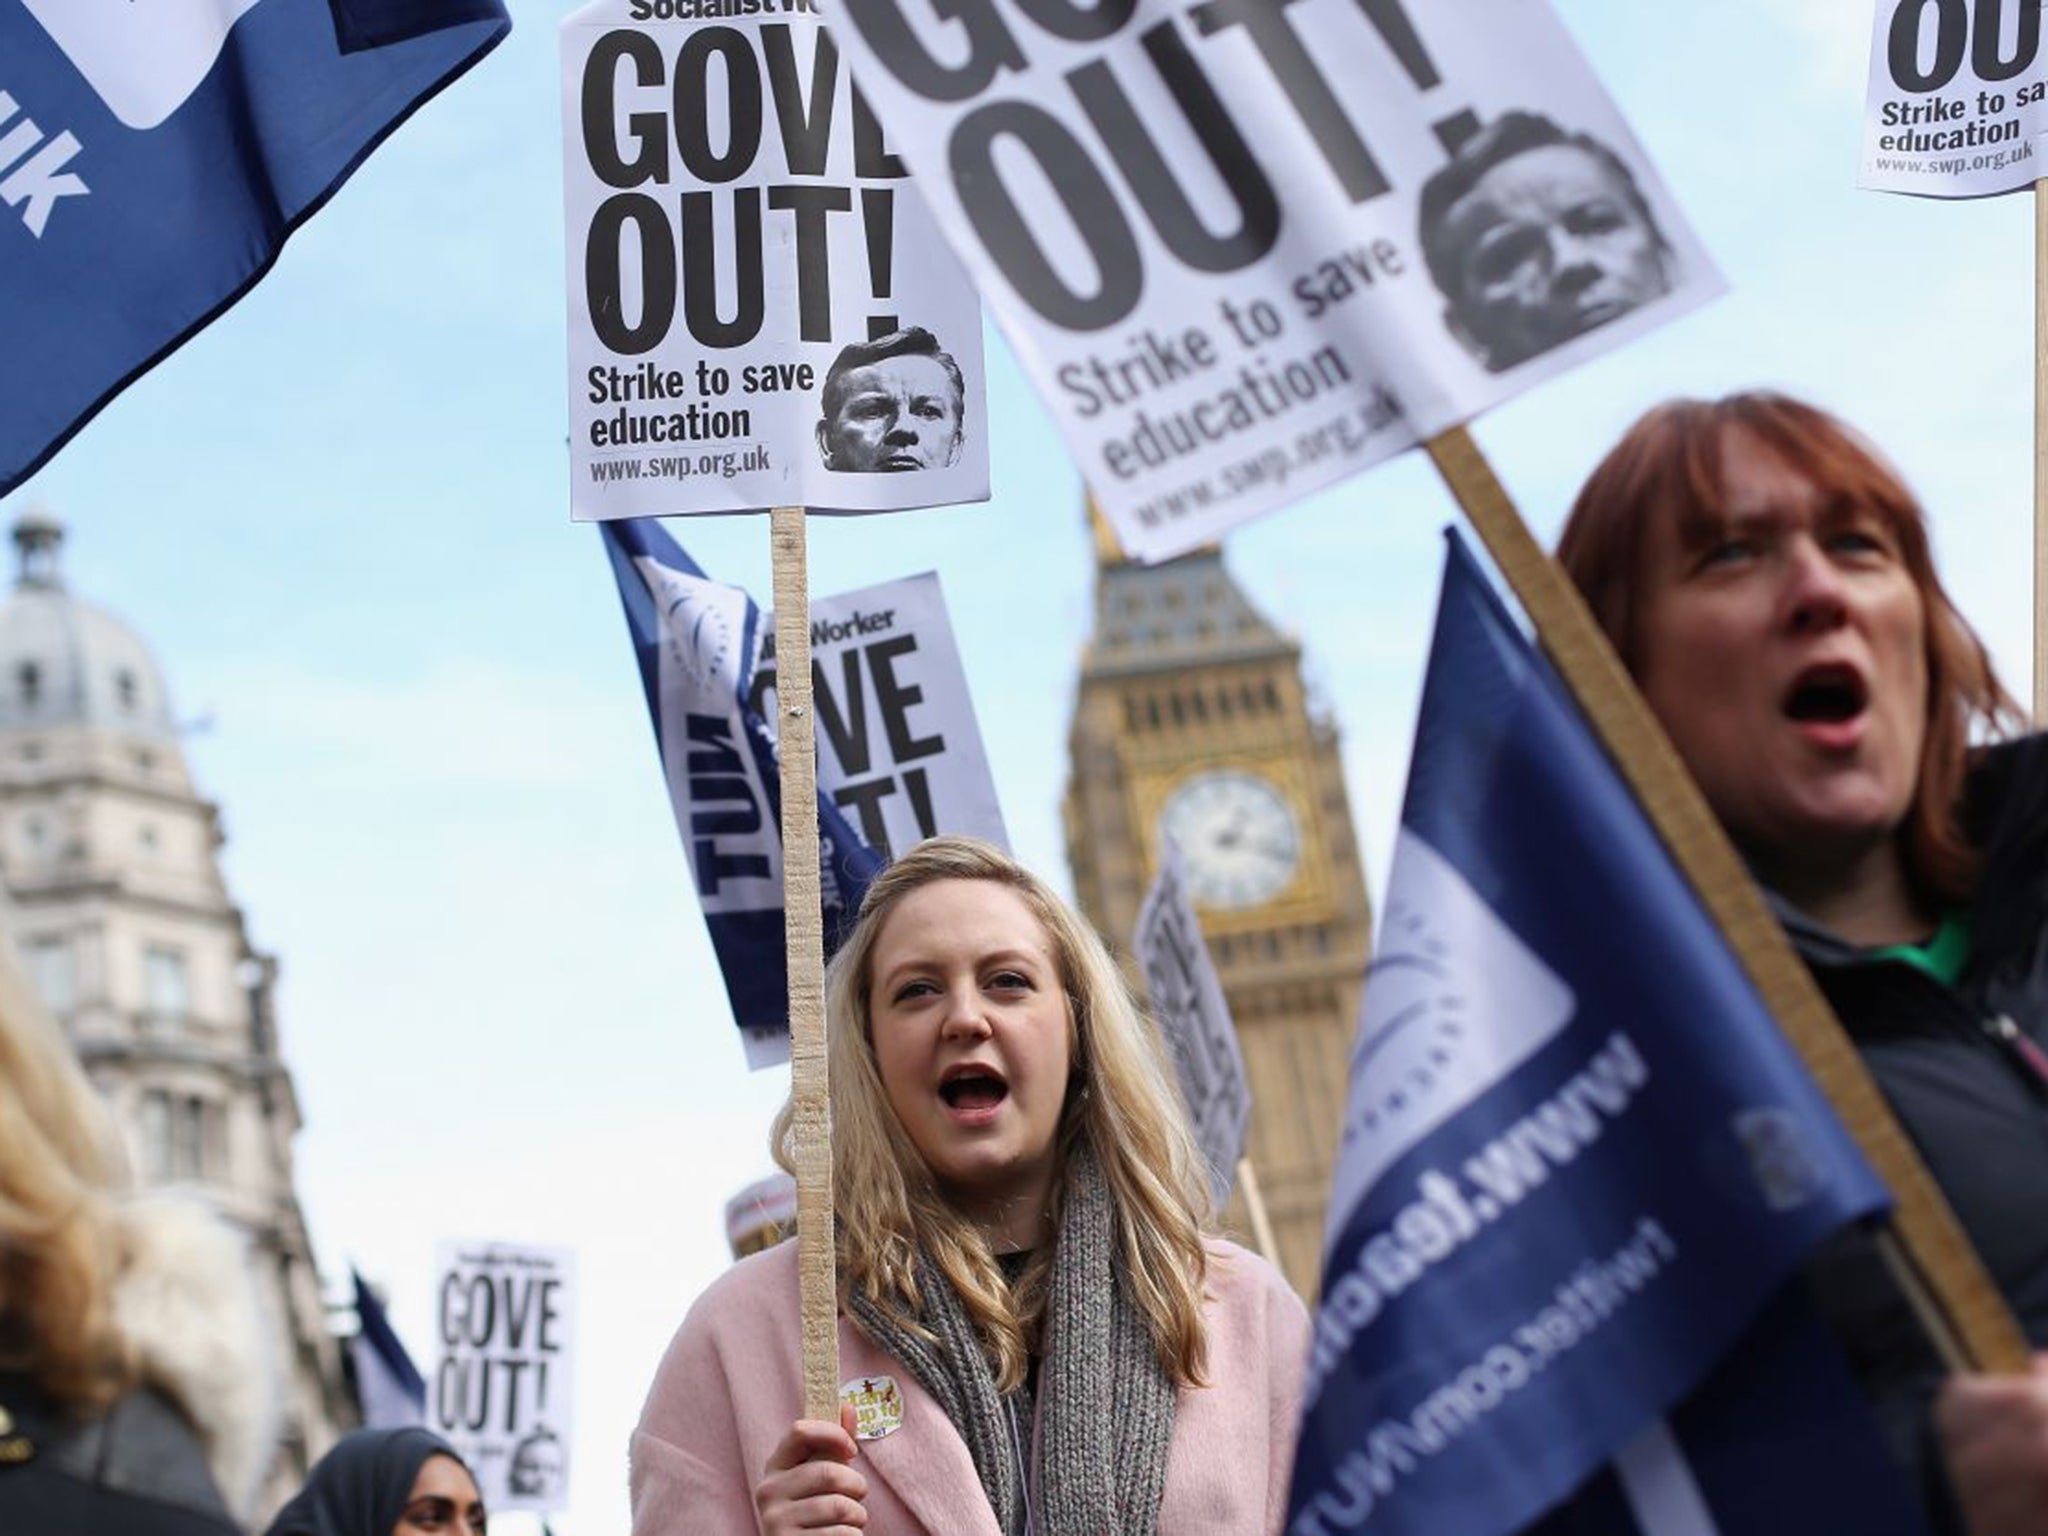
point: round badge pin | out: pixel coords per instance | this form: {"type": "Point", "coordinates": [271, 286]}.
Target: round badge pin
{"type": "Point", "coordinates": [877, 1406]}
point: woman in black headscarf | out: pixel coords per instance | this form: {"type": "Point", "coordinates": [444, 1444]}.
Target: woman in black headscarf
{"type": "Point", "coordinates": [385, 1482]}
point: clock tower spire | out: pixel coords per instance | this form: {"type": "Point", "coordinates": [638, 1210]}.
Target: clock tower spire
{"type": "Point", "coordinates": [1192, 722]}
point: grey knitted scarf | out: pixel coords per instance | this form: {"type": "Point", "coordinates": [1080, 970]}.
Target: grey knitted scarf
{"type": "Point", "coordinates": [1105, 1405]}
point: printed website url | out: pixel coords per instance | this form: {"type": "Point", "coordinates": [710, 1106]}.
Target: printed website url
{"type": "Point", "coordinates": [1342, 436]}
{"type": "Point", "coordinates": [723, 464]}
{"type": "Point", "coordinates": [1394, 1447]}
{"type": "Point", "coordinates": [1953, 165]}
{"type": "Point", "coordinates": [1449, 1211]}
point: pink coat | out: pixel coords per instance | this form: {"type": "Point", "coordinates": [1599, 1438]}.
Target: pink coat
{"type": "Point", "coordinates": [730, 1386]}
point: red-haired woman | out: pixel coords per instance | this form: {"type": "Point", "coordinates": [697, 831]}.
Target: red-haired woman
{"type": "Point", "coordinates": [1767, 580]}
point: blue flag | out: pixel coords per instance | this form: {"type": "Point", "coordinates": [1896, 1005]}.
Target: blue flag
{"type": "Point", "coordinates": [702, 665]}
{"type": "Point", "coordinates": [1778, 1442]}
{"type": "Point", "coordinates": [389, 1387]}
{"type": "Point", "coordinates": [154, 158]}
{"type": "Point", "coordinates": [1579, 1158]}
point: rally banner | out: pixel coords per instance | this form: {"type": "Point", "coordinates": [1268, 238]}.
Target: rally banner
{"type": "Point", "coordinates": [1956, 98]}
{"type": "Point", "coordinates": [761, 312]}
{"type": "Point", "coordinates": [899, 751]}
{"type": "Point", "coordinates": [154, 159]}
{"type": "Point", "coordinates": [1245, 250]}
{"type": "Point", "coordinates": [504, 1388]}
{"type": "Point", "coordinates": [1187, 999]}
{"type": "Point", "coordinates": [700, 647]}
{"type": "Point", "coordinates": [1579, 1157]}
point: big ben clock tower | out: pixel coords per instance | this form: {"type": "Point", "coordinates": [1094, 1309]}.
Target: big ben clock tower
{"type": "Point", "coordinates": [1192, 724]}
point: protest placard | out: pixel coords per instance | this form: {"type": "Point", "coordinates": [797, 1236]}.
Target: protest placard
{"type": "Point", "coordinates": [1955, 99]}
{"type": "Point", "coordinates": [1245, 250]}
{"type": "Point", "coordinates": [1187, 999]}
{"type": "Point", "coordinates": [900, 755]}
{"type": "Point", "coordinates": [761, 312]}
{"type": "Point", "coordinates": [700, 645]}
{"type": "Point", "coordinates": [503, 1389]}
{"type": "Point", "coordinates": [899, 751]}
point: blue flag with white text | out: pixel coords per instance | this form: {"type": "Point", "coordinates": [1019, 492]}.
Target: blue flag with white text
{"type": "Point", "coordinates": [154, 157]}
{"type": "Point", "coordinates": [1579, 1159]}
{"type": "Point", "coordinates": [704, 667]}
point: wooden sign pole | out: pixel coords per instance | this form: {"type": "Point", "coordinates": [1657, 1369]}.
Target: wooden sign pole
{"type": "Point", "coordinates": [1255, 1206]}
{"type": "Point", "coordinates": [2041, 452]}
{"type": "Point", "coordinates": [1970, 1319]}
{"type": "Point", "coordinates": [810, 1086]}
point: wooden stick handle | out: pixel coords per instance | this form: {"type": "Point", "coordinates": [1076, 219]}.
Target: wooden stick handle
{"type": "Point", "coordinates": [1931, 1241]}
{"type": "Point", "coordinates": [1255, 1203]}
{"type": "Point", "coordinates": [2041, 452]}
{"type": "Point", "coordinates": [810, 1086]}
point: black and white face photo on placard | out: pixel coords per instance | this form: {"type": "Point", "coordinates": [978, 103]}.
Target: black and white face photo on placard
{"type": "Point", "coordinates": [1535, 236]}
{"type": "Point", "coordinates": [892, 405]}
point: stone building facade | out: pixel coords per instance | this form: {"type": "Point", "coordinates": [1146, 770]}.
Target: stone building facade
{"type": "Point", "coordinates": [124, 926]}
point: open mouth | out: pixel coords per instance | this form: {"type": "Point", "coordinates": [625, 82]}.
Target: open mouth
{"type": "Point", "coordinates": [972, 1088]}
{"type": "Point", "coordinates": [897, 463]}
{"type": "Point", "coordinates": [1827, 695]}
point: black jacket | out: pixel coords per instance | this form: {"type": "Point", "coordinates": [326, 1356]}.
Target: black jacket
{"type": "Point", "coordinates": [137, 1470]}
{"type": "Point", "coordinates": [1977, 1114]}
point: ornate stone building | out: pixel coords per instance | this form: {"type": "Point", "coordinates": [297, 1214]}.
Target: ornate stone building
{"type": "Point", "coordinates": [126, 930]}
{"type": "Point", "coordinates": [1192, 719]}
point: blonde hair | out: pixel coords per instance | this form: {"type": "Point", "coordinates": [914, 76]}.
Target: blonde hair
{"type": "Point", "coordinates": [61, 1243]}
{"type": "Point", "coordinates": [1121, 1102]}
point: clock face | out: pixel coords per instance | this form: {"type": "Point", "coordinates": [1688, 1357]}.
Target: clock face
{"type": "Point", "coordinates": [1237, 836]}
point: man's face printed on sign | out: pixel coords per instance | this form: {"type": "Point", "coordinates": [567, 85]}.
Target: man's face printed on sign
{"type": "Point", "coordinates": [892, 405]}
{"type": "Point", "coordinates": [896, 414]}
{"type": "Point", "coordinates": [1545, 236]}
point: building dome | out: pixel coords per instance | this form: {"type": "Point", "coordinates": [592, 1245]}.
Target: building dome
{"type": "Point", "coordinates": [65, 661]}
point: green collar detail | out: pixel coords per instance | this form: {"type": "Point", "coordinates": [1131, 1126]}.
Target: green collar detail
{"type": "Point", "coordinates": [1943, 956]}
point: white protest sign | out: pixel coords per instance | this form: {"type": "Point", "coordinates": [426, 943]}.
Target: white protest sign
{"type": "Point", "coordinates": [898, 747]}
{"type": "Point", "coordinates": [1232, 246]}
{"type": "Point", "coordinates": [503, 1387]}
{"type": "Point", "coordinates": [1188, 1000]}
{"type": "Point", "coordinates": [761, 312]}
{"type": "Point", "coordinates": [1955, 99]}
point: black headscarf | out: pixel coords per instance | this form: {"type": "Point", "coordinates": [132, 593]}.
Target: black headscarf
{"type": "Point", "coordinates": [360, 1487]}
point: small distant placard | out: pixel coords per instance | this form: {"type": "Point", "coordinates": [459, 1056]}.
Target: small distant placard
{"type": "Point", "coordinates": [502, 1392]}
{"type": "Point", "coordinates": [1188, 1000]}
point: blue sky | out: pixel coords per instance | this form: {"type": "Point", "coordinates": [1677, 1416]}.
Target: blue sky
{"type": "Point", "coordinates": [339, 515]}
